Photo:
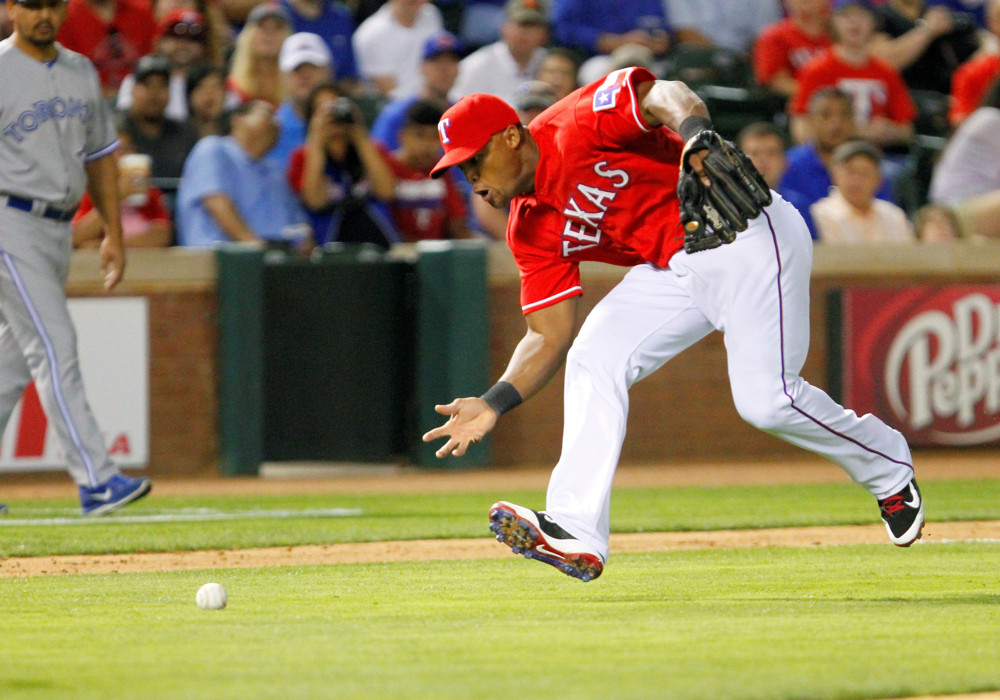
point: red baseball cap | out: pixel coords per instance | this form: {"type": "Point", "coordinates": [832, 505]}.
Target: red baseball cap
{"type": "Point", "coordinates": [468, 125]}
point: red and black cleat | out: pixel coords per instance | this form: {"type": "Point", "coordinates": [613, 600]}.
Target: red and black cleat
{"type": "Point", "coordinates": [903, 514]}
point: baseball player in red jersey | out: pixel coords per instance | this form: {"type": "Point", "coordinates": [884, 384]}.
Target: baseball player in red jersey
{"type": "Point", "coordinates": [595, 177]}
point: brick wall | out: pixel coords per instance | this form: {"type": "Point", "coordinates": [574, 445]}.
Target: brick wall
{"type": "Point", "coordinates": [684, 412]}
{"type": "Point", "coordinates": [183, 353]}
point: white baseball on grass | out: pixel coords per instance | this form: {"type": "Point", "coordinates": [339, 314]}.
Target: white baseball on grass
{"type": "Point", "coordinates": [211, 596]}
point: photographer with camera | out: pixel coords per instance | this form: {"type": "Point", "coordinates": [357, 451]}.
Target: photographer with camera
{"type": "Point", "coordinates": [339, 174]}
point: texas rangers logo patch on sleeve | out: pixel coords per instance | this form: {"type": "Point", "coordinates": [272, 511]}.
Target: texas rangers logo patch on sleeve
{"type": "Point", "coordinates": [607, 95]}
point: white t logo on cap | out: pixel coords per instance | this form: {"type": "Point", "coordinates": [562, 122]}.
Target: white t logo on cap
{"type": "Point", "coordinates": [442, 130]}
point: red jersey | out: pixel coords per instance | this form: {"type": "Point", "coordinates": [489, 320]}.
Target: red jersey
{"type": "Point", "coordinates": [605, 190]}
{"type": "Point", "coordinates": [877, 88]}
{"type": "Point", "coordinates": [422, 207]}
{"type": "Point", "coordinates": [114, 48]}
{"type": "Point", "coordinates": [784, 46]}
{"type": "Point", "coordinates": [969, 84]}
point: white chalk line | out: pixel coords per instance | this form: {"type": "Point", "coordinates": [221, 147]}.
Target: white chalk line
{"type": "Point", "coordinates": [196, 515]}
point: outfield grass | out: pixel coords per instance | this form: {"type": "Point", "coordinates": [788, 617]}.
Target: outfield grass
{"type": "Point", "coordinates": [437, 516]}
{"type": "Point", "coordinates": [769, 624]}
{"type": "Point", "coordinates": [850, 622]}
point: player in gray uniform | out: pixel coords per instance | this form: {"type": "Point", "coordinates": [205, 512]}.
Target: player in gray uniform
{"type": "Point", "coordinates": [56, 139]}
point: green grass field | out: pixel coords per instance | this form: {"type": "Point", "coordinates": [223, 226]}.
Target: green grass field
{"type": "Point", "coordinates": [820, 622]}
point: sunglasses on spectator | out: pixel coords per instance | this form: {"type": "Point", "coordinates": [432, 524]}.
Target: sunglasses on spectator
{"type": "Point", "coordinates": [186, 29]}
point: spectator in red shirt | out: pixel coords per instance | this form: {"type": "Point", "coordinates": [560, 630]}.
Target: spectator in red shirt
{"type": "Point", "coordinates": [146, 220]}
{"type": "Point", "coordinates": [883, 109]}
{"type": "Point", "coordinates": [973, 78]}
{"type": "Point", "coordinates": [422, 207]}
{"type": "Point", "coordinates": [113, 34]}
{"type": "Point", "coordinates": [784, 47]}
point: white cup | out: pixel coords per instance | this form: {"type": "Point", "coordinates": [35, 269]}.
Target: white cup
{"type": "Point", "coordinates": [137, 168]}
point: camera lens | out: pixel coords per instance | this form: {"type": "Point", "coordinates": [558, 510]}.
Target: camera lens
{"type": "Point", "coordinates": [342, 110]}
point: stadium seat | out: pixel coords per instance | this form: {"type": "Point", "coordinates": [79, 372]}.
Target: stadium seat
{"type": "Point", "coordinates": [734, 108]}
{"type": "Point", "coordinates": [370, 106]}
{"type": "Point", "coordinates": [709, 65]}
{"type": "Point", "coordinates": [932, 112]}
{"type": "Point", "coordinates": [910, 188]}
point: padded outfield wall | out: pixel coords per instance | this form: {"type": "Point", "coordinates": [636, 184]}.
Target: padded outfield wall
{"type": "Point", "coordinates": [682, 413]}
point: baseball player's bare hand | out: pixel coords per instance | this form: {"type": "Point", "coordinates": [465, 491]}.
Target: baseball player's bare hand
{"type": "Point", "coordinates": [112, 262]}
{"type": "Point", "coordinates": [469, 421]}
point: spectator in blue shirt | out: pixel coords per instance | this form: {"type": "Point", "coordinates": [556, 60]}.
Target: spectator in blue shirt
{"type": "Point", "coordinates": [599, 27]}
{"type": "Point", "coordinates": [976, 8]}
{"type": "Point", "coordinates": [807, 178]}
{"type": "Point", "coordinates": [334, 23]}
{"type": "Point", "coordinates": [230, 192]}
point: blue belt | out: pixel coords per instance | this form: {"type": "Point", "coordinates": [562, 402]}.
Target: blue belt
{"type": "Point", "coordinates": [48, 212]}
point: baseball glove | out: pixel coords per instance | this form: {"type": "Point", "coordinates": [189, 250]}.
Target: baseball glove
{"type": "Point", "coordinates": [713, 214]}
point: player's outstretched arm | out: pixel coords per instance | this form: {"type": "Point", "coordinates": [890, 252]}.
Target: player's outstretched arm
{"type": "Point", "coordinates": [538, 355]}
{"type": "Point", "coordinates": [102, 183]}
{"type": "Point", "coordinates": [668, 103]}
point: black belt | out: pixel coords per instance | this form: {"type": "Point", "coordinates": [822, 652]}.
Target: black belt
{"type": "Point", "coordinates": [47, 212]}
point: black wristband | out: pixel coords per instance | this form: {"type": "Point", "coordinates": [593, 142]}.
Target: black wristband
{"type": "Point", "coordinates": [694, 124]}
{"type": "Point", "coordinates": [502, 397]}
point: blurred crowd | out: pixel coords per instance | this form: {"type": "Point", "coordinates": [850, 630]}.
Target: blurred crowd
{"type": "Point", "coordinates": [306, 123]}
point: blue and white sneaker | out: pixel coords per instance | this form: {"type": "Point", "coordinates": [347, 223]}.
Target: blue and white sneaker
{"type": "Point", "coordinates": [118, 491]}
{"type": "Point", "coordinates": [3, 509]}
{"type": "Point", "coordinates": [537, 536]}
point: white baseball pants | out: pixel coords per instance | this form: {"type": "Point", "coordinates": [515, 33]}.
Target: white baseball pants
{"type": "Point", "coordinates": [756, 291]}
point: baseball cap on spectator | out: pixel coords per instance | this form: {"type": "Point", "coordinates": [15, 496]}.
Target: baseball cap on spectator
{"type": "Point", "coordinates": [152, 64]}
{"type": "Point", "coordinates": [441, 43]}
{"type": "Point", "coordinates": [534, 94]}
{"type": "Point", "coordinates": [841, 5]}
{"type": "Point", "coordinates": [184, 24]}
{"type": "Point", "coordinates": [858, 147]}
{"type": "Point", "coordinates": [269, 10]}
{"type": "Point", "coordinates": [468, 125]}
{"type": "Point", "coordinates": [303, 47]}
{"type": "Point", "coordinates": [527, 11]}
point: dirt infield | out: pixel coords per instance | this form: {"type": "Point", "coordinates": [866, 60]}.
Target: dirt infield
{"type": "Point", "coordinates": [340, 479]}
{"type": "Point", "coordinates": [479, 548]}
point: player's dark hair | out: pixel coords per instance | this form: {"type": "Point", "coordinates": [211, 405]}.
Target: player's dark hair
{"type": "Point", "coordinates": [423, 113]}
